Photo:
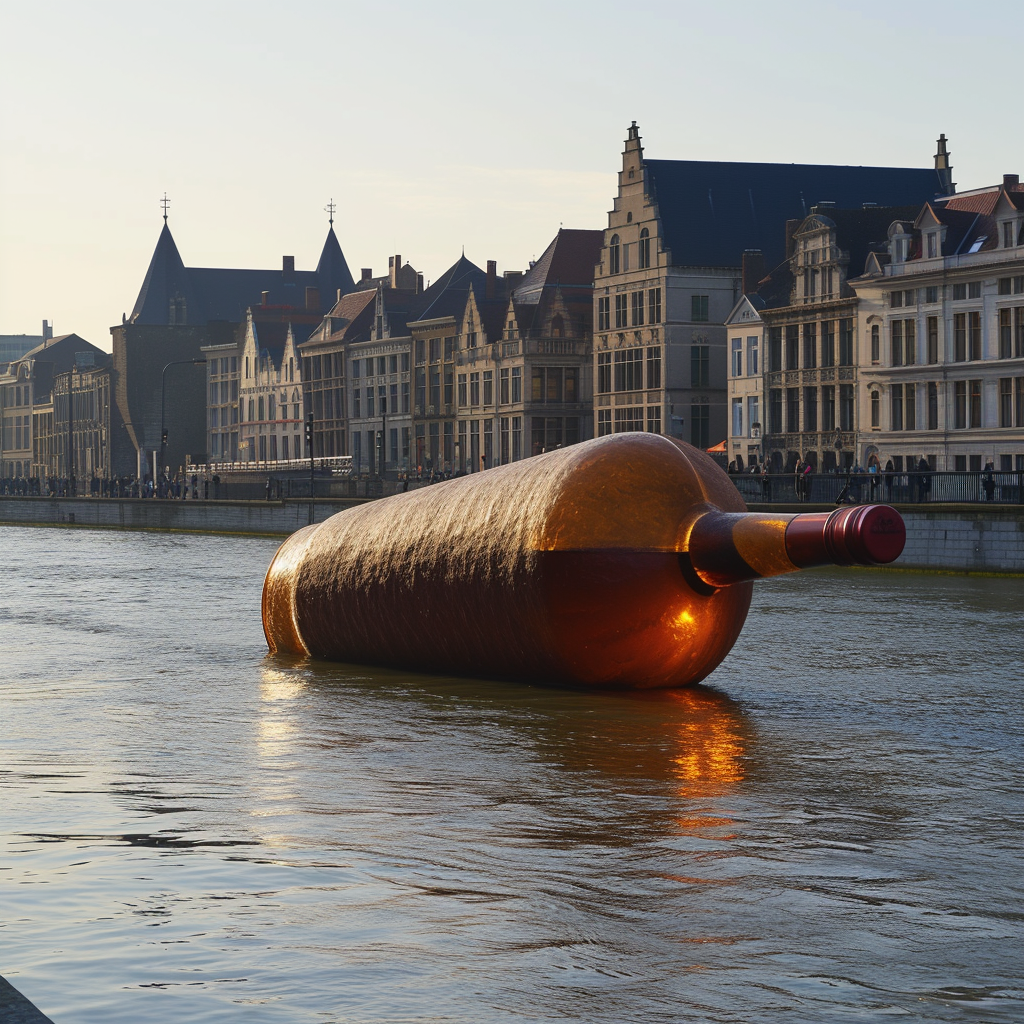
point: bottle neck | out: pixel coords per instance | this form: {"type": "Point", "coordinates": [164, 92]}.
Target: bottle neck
{"type": "Point", "coordinates": [729, 547]}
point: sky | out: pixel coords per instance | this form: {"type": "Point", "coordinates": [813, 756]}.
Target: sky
{"type": "Point", "coordinates": [435, 126]}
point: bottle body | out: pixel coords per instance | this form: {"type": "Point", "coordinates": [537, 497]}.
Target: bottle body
{"type": "Point", "coordinates": [588, 566]}
{"type": "Point", "coordinates": [561, 568]}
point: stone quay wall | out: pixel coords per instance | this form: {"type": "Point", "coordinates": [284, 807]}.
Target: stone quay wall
{"type": "Point", "coordinates": [950, 538]}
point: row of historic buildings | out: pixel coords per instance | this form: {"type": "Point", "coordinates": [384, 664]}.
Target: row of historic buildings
{"type": "Point", "coordinates": [788, 311]}
{"type": "Point", "coordinates": [887, 333]}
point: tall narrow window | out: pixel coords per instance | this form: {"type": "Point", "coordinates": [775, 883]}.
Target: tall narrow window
{"type": "Point", "coordinates": [909, 342]}
{"type": "Point", "coordinates": [974, 335]}
{"type": "Point", "coordinates": [645, 248]}
{"type": "Point", "coordinates": [875, 408]}
{"type": "Point", "coordinates": [910, 407]}
{"type": "Point", "coordinates": [775, 349]}
{"type": "Point", "coordinates": [793, 410]}
{"type": "Point", "coordinates": [604, 313]}
{"type": "Point", "coordinates": [896, 338]}
{"type": "Point", "coordinates": [613, 255]}
{"type": "Point", "coordinates": [828, 343]}
{"type": "Point", "coordinates": [960, 404]}
{"type": "Point", "coordinates": [620, 310]}
{"type": "Point", "coordinates": [896, 407]}
{"type": "Point", "coordinates": [654, 305]}
{"type": "Point", "coordinates": [876, 345]}
{"type": "Point", "coordinates": [637, 309]}
{"type": "Point", "coordinates": [604, 373]}
{"type": "Point", "coordinates": [846, 411]}
{"type": "Point", "coordinates": [653, 366]}
{"type": "Point", "coordinates": [846, 342]}
{"type": "Point", "coordinates": [810, 346]}
{"type": "Point", "coordinates": [828, 408]}
{"type": "Point", "coordinates": [737, 357]}
{"type": "Point", "coordinates": [933, 339]}
{"type": "Point", "coordinates": [752, 362]}
{"type": "Point", "coordinates": [1006, 401]}
{"type": "Point", "coordinates": [959, 337]}
{"type": "Point", "coordinates": [810, 409]}
{"type": "Point", "coordinates": [1005, 334]}
{"type": "Point", "coordinates": [793, 347]}
{"type": "Point", "coordinates": [933, 405]}
{"type": "Point", "coordinates": [975, 403]}
{"type": "Point", "coordinates": [699, 308]}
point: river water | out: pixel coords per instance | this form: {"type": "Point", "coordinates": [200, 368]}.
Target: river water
{"type": "Point", "coordinates": [194, 831]}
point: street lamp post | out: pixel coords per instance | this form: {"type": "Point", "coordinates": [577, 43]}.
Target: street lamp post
{"type": "Point", "coordinates": [163, 402]}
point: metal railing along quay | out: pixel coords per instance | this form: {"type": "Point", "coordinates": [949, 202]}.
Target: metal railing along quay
{"type": "Point", "coordinates": [911, 487]}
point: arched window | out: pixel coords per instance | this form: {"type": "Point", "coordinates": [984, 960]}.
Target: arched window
{"type": "Point", "coordinates": [613, 255]}
{"type": "Point", "coordinates": [645, 248]}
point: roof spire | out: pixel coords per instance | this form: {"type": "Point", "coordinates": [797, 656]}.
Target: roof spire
{"type": "Point", "coordinates": [165, 202]}
{"type": "Point", "coordinates": [330, 208]}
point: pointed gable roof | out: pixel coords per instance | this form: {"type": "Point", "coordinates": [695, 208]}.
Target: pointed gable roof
{"type": "Point", "coordinates": [215, 293]}
{"type": "Point", "coordinates": [165, 279]}
{"type": "Point", "coordinates": [567, 262]}
{"type": "Point", "coordinates": [447, 295]}
{"type": "Point", "coordinates": [712, 211]}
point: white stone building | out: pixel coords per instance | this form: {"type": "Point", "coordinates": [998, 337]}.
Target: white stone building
{"type": "Point", "coordinates": [942, 336]}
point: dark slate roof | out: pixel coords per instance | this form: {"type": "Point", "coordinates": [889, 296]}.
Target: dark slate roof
{"type": "Point", "coordinates": [62, 351]}
{"type": "Point", "coordinates": [333, 270]}
{"type": "Point", "coordinates": [447, 295]}
{"type": "Point", "coordinates": [568, 261]}
{"type": "Point", "coordinates": [711, 211]}
{"type": "Point", "coordinates": [221, 294]}
{"type": "Point", "coordinates": [859, 232]}
{"type": "Point", "coordinates": [271, 338]}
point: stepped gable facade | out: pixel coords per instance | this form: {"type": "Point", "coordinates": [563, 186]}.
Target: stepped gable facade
{"type": "Point", "coordinates": [670, 272]}
{"type": "Point", "coordinates": [182, 310]}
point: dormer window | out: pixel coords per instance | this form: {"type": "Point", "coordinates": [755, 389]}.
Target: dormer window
{"type": "Point", "coordinates": [933, 244]}
{"type": "Point", "coordinates": [1009, 234]}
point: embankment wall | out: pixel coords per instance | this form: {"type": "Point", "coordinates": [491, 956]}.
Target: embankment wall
{"type": "Point", "coordinates": [952, 538]}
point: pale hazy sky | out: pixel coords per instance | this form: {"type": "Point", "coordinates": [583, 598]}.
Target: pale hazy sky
{"type": "Point", "coordinates": [435, 125]}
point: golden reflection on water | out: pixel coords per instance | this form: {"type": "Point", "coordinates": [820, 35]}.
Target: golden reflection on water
{"type": "Point", "coordinates": [709, 759]}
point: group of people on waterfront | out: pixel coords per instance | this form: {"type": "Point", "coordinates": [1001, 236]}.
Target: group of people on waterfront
{"type": "Point", "coordinates": [855, 484]}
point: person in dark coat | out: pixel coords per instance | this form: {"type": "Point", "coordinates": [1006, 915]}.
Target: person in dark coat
{"type": "Point", "coordinates": [988, 481]}
{"type": "Point", "coordinates": [890, 472]}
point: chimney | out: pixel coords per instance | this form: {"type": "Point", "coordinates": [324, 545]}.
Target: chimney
{"type": "Point", "coordinates": [394, 265]}
{"type": "Point", "coordinates": [367, 273]}
{"type": "Point", "coordinates": [947, 186]}
{"type": "Point", "coordinates": [512, 279]}
{"type": "Point", "coordinates": [791, 226]}
{"type": "Point", "coordinates": [1011, 181]}
{"type": "Point", "coordinates": [264, 298]}
{"type": "Point", "coordinates": [338, 296]}
{"type": "Point", "coordinates": [47, 331]}
{"type": "Point", "coordinates": [288, 269]}
{"type": "Point", "coordinates": [492, 279]}
{"type": "Point", "coordinates": [419, 284]}
{"type": "Point", "coordinates": [312, 299]}
{"type": "Point", "coordinates": [753, 270]}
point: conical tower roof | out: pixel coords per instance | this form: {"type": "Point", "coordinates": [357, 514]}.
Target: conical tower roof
{"type": "Point", "coordinates": [332, 270]}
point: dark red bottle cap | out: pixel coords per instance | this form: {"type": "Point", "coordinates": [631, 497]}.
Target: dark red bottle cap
{"type": "Point", "coordinates": [865, 535]}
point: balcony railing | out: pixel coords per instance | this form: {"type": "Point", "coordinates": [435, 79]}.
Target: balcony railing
{"type": "Point", "coordinates": [909, 487]}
